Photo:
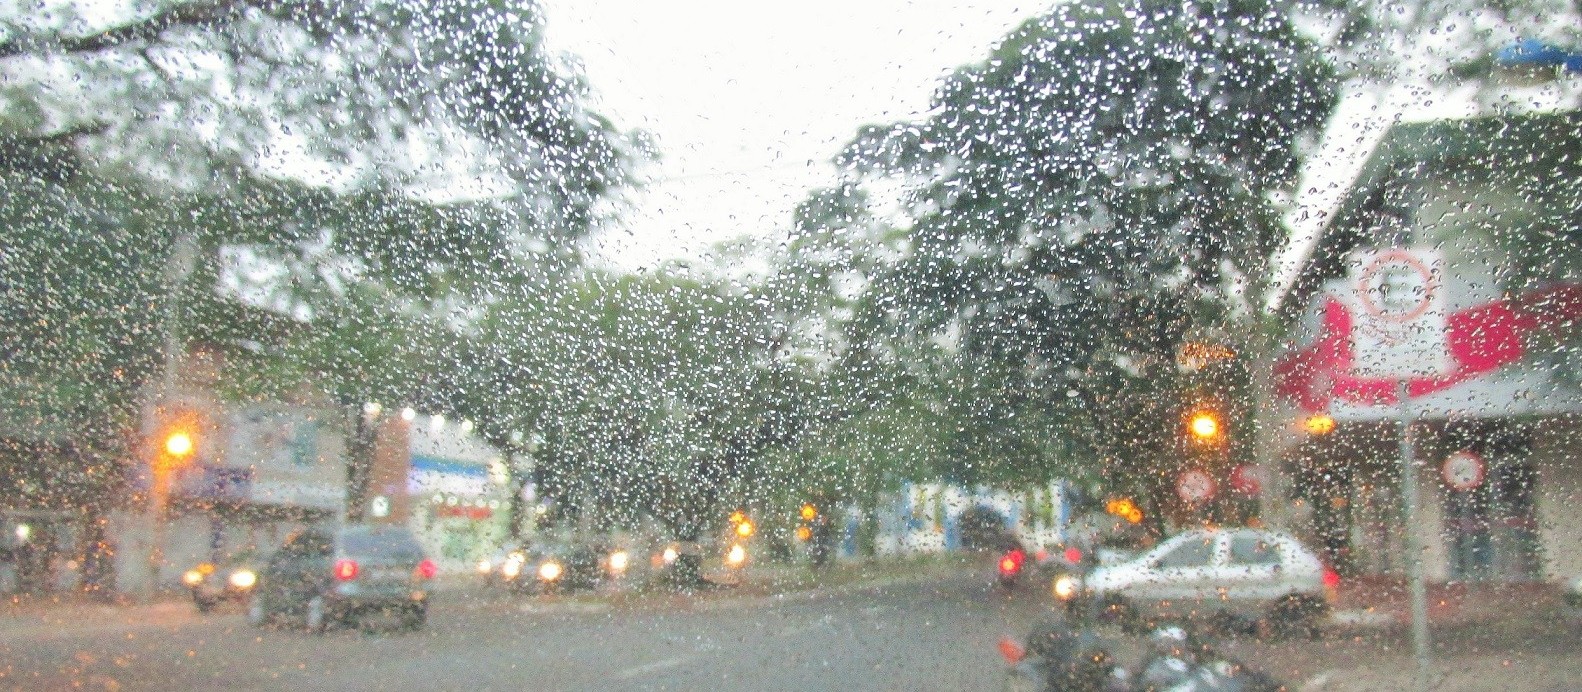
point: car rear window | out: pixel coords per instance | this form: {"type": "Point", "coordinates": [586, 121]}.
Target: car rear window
{"type": "Point", "coordinates": [1250, 549]}
{"type": "Point", "coordinates": [1193, 552]}
{"type": "Point", "coordinates": [394, 543]}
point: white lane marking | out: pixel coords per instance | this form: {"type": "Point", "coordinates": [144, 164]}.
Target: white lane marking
{"type": "Point", "coordinates": [1317, 682]}
{"type": "Point", "coordinates": [646, 668]}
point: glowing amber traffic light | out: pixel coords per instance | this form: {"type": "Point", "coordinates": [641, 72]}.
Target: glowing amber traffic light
{"type": "Point", "coordinates": [804, 533]}
{"type": "Point", "coordinates": [737, 517]}
{"type": "Point", "coordinates": [1124, 508]}
{"type": "Point", "coordinates": [178, 444]}
{"type": "Point", "coordinates": [809, 512]}
{"type": "Point", "coordinates": [1319, 424]}
{"type": "Point", "coordinates": [1204, 426]}
{"type": "Point", "coordinates": [744, 528]}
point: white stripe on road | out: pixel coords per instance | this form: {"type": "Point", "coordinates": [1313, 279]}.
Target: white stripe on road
{"type": "Point", "coordinates": [1317, 682]}
{"type": "Point", "coordinates": [646, 668]}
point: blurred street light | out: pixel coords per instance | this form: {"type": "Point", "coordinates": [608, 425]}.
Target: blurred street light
{"type": "Point", "coordinates": [1205, 426]}
{"type": "Point", "coordinates": [1319, 424]}
{"type": "Point", "coordinates": [178, 444]}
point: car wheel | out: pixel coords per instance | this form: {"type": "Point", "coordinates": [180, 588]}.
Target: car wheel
{"type": "Point", "coordinates": [257, 616]}
{"type": "Point", "coordinates": [416, 617]}
{"type": "Point", "coordinates": [1293, 616]}
{"type": "Point", "coordinates": [1119, 611]}
{"type": "Point", "coordinates": [316, 619]}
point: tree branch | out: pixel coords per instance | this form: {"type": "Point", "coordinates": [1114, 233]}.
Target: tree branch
{"type": "Point", "coordinates": [208, 13]}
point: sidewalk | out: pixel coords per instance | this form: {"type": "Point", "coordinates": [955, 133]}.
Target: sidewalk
{"type": "Point", "coordinates": [1386, 601]}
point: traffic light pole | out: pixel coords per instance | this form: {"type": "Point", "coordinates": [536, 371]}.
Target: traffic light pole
{"type": "Point", "coordinates": [178, 267]}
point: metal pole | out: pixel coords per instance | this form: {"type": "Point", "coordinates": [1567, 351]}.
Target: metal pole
{"type": "Point", "coordinates": [1413, 547]}
{"type": "Point", "coordinates": [183, 253]}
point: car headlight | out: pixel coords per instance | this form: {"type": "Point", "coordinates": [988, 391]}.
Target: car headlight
{"type": "Point", "coordinates": [619, 560]}
{"type": "Point", "coordinates": [736, 556]}
{"type": "Point", "coordinates": [243, 579]}
{"type": "Point", "coordinates": [512, 568]}
{"type": "Point", "coordinates": [484, 566]}
{"type": "Point", "coordinates": [192, 577]}
{"type": "Point", "coordinates": [549, 571]}
{"type": "Point", "coordinates": [669, 556]}
{"type": "Point", "coordinates": [1066, 587]}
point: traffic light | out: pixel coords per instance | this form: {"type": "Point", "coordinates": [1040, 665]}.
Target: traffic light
{"type": "Point", "coordinates": [1205, 426]}
{"type": "Point", "coordinates": [177, 437]}
{"type": "Point", "coordinates": [178, 444]}
{"type": "Point", "coordinates": [744, 528]}
{"type": "Point", "coordinates": [809, 512]}
{"type": "Point", "coordinates": [1319, 424]}
{"type": "Point", "coordinates": [1124, 508]}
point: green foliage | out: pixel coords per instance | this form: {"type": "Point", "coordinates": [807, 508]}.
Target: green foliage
{"type": "Point", "coordinates": [1075, 208]}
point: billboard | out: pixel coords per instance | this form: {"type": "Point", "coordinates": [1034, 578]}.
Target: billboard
{"type": "Point", "coordinates": [289, 456]}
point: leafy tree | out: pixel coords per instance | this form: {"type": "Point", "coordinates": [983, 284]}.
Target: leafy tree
{"type": "Point", "coordinates": [1077, 202]}
{"type": "Point", "coordinates": [655, 395]}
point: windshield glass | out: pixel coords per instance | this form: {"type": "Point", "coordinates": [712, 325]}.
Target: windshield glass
{"type": "Point", "coordinates": [879, 344]}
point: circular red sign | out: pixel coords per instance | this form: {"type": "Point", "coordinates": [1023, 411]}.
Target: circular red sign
{"type": "Point", "coordinates": [1463, 470]}
{"type": "Point", "coordinates": [1195, 485]}
{"type": "Point", "coordinates": [1247, 479]}
{"type": "Point", "coordinates": [1396, 286]}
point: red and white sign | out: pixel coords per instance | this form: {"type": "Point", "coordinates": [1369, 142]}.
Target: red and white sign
{"type": "Point", "coordinates": [1399, 327]}
{"type": "Point", "coordinates": [1195, 485]}
{"type": "Point", "coordinates": [1463, 470]}
{"type": "Point", "coordinates": [1248, 479]}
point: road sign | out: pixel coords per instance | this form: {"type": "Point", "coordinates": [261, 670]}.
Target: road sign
{"type": "Point", "coordinates": [1398, 320]}
{"type": "Point", "coordinates": [1463, 470]}
{"type": "Point", "coordinates": [1248, 479]}
{"type": "Point", "coordinates": [1195, 485]}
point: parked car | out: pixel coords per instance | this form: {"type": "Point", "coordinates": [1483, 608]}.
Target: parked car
{"type": "Point", "coordinates": [231, 579]}
{"type": "Point", "coordinates": [324, 577]}
{"type": "Point", "coordinates": [1231, 576]}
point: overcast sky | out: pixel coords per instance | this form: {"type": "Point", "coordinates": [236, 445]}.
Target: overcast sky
{"type": "Point", "coordinates": [749, 101]}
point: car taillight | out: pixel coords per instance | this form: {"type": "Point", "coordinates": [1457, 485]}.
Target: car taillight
{"type": "Point", "coordinates": [1073, 555]}
{"type": "Point", "coordinates": [427, 569]}
{"type": "Point", "coordinates": [1331, 578]}
{"type": "Point", "coordinates": [1012, 562]}
{"type": "Point", "coordinates": [1011, 651]}
{"type": "Point", "coordinates": [345, 570]}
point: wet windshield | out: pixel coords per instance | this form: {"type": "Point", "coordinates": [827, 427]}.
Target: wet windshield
{"type": "Point", "coordinates": [891, 344]}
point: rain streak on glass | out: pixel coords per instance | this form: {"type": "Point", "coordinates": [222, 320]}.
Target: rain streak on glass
{"type": "Point", "coordinates": [906, 344]}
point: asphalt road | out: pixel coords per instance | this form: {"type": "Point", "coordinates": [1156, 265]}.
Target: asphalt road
{"type": "Point", "coordinates": [938, 635]}
{"type": "Point", "coordinates": [908, 636]}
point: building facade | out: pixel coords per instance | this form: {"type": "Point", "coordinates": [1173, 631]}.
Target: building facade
{"type": "Point", "coordinates": [1495, 422]}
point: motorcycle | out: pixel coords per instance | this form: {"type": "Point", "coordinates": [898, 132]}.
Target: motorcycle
{"type": "Point", "coordinates": [1059, 657]}
{"type": "Point", "coordinates": [1010, 567]}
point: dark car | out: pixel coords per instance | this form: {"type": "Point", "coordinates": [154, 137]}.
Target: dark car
{"type": "Point", "coordinates": [231, 579]}
{"type": "Point", "coordinates": [321, 577]}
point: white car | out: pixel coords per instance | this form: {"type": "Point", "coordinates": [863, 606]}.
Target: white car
{"type": "Point", "coordinates": [1245, 576]}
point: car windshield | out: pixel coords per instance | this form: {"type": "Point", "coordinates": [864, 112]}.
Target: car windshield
{"type": "Point", "coordinates": [835, 344]}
